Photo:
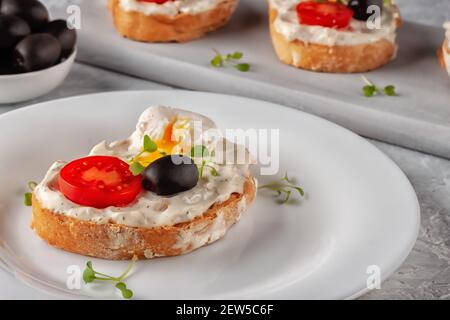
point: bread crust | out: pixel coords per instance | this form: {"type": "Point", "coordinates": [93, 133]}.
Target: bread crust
{"type": "Point", "coordinates": [161, 28]}
{"type": "Point", "coordinates": [120, 242]}
{"type": "Point", "coordinates": [332, 59]}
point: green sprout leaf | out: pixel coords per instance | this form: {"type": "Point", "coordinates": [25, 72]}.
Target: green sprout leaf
{"type": "Point", "coordinates": [136, 168]}
{"type": "Point", "coordinates": [32, 185]}
{"type": "Point", "coordinates": [283, 189]}
{"type": "Point", "coordinates": [230, 59]}
{"type": "Point", "coordinates": [126, 293]}
{"type": "Point", "coordinates": [214, 172]}
{"type": "Point", "coordinates": [199, 151]}
{"type": "Point", "coordinates": [90, 275]}
{"type": "Point", "coordinates": [300, 191]}
{"type": "Point", "coordinates": [27, 199]}
{"type": "Point", "coordinates": [243, 67]}
{"type": "Point", "coordinates": [201, 168]}
{"type": "Point", "coordinates": [369, 91]}
{"type": "Point", "coordinates": [217, 61]}
{"type": "Point", "coordinates": [234, 56]}
{"type": "Point", "coordinates": [390, 90]}
{"type": "Point", "coordinates": [149, 144]}
{"type": "Point", "coordinates": [237, 55]}
{"type": "Point", "coordinates": [28, 196]}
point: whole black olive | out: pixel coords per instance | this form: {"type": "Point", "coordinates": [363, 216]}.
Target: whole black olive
{"type": "Point", "coordinates": [37, 51]}
{"type": "Point", "coordinates": [32, 11]}
{"type": "Point", "coordinates": [360, 7]}
{"type": "Point", "coordinates": [5, 70]}
{"type": "Point", "coordinates": [170, 175]}
{"type": "Point", "coordinates": [12, 30]}
{"type": "Point", "coordinates": [66, 37]}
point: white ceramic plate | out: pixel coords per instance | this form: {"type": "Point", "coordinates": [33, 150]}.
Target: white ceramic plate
{"type": "Point", "coordinates": [360, 209]}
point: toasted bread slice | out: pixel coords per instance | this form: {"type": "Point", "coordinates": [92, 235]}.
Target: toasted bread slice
{"type": "Point", "coordinates": [333, 59]}
{"type": "Point", "coordinates": [120, 242]}
{"type": "Point", "coordinates": [161, 28]}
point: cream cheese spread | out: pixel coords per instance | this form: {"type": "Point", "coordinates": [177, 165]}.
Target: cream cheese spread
{"type": "Point", "coordinates": [169, 8]}
{"type": "Point", "coordinates": [287, 24]}
{"type": "Point", "coordinates": [150, 210]}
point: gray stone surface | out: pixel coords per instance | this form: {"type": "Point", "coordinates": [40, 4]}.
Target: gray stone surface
{"type": "Point", "coordinates": [430, 12]}
{"type": "Point", "coordinates": [426, 272]}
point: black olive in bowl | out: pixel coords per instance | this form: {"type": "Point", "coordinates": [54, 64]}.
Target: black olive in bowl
{"type": "Point", "coordinates": [66, 37]}
{"type": "Point", "coordinates": [170, 175]}
{"type": "Point", "coordinates": [6, 67]}
{"type": "Point", "coordinates": [6, 70]}
{"type": "Point", "coordinates": [32, 11]}
{"type": "Point", "coordinates": [12, 30]}
{"type": "Point", "coordinates": [36, 52]}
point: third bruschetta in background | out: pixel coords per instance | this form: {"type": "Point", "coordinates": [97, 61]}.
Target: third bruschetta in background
{"type": "Point", "coordinates": [334, 36]}
{"type": "Point", "coordinates": [169, 20]}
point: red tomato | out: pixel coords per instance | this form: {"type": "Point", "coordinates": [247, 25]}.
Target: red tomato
{"type": "Point", "coordinates": [155, 1]}
{"type": "Point", "coordinates": [325, 14]}
{"type": "Point", "coordinates": [99, 182]}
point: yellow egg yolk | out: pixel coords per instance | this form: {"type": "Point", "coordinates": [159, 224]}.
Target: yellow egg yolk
{"type": "Point", "coordinates": [166, 144]}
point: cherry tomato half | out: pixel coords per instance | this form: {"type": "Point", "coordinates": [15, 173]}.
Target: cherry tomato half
{"type": "Point", "coordinates": [325, 14]}
{"type": "Point", "coordinates": [155, 1]}
{"type": "Point", "coordinates": [99, 182]}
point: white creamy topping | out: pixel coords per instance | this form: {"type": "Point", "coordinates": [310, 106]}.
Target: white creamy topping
{"type": "Point", "coordinates": [150, 210]}
{"type": "Point", "coordinates": [446, 52]}
{"type": "Point", "coordinates": [169, 8]}
{"type": "Point", "coordinates": [287, 24]}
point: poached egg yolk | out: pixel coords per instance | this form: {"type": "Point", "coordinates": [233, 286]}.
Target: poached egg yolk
{"type": "Point", "coordinates": [173, 135]}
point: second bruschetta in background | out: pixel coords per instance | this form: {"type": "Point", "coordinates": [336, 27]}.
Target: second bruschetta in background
{"type": "Point", "coordinates": [334, 36]}
{"type": "Point", "coordinates": [444, 53]}
{"type": "Point", "coordinates": [169, 20]}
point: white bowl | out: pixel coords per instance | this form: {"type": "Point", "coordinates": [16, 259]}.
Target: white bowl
{"type": "Point", "coordinates": [26, 86]}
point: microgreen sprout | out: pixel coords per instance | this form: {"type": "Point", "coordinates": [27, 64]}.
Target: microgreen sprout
{"type": "Point", "coordinates": [390, 90]}
{"type": "Point", "coordinates": [148, 146]}
{"type": "Point", "coordinates": [202, 152]}
{"type": "Point", "coordinates": [90, 275]}
{"type": "Point", "coordinates": [283, 188]}
{"type": "Point", "coordinates": [28, 196]}
{"type": "Point", "coordinates": [370, 89]}
{"type": "Point", "coordinates": [231, 59]}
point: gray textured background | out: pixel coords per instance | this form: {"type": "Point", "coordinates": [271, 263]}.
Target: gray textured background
{"type": "Point", "coordinates": [430, 12]}
{"type": "Point", "coordinates": [426, 272]}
